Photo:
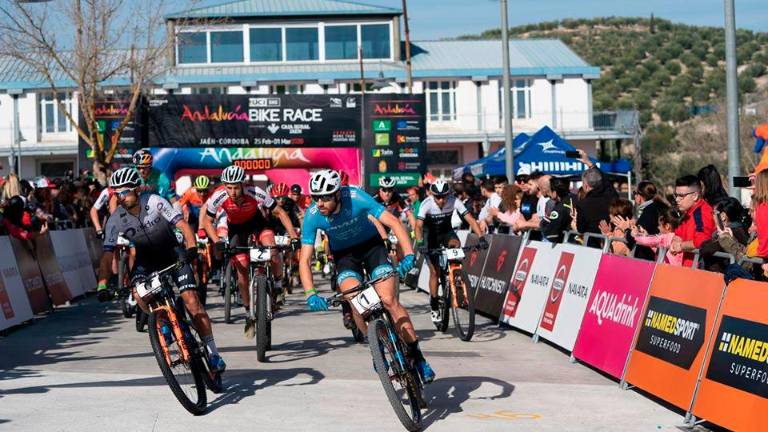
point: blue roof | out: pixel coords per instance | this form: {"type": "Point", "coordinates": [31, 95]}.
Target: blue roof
{"type": "Point", "coordinates": [284, 8]}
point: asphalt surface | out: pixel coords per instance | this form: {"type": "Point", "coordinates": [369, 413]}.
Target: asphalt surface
{"type": "Point", "coordinates": [85, 368]}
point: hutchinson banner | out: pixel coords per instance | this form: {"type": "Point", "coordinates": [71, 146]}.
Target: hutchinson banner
{"type": "Point", "coordinates": [734, 389]}
{"type": "Point", "coordinates": [254, 121]}
{"type": "Point", "coordinates": [674, 332]}
{"type": "Point", "coordinates": [615, 305]}
{"type": "Point", "coordinates": [492, 285]}
{"type": "Point", "coordinates": [568, 294]}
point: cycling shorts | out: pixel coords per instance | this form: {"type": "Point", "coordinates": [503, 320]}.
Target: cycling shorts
{"type": "Point", "coordinates": [443, 239]}
{"type": "Point", "coordinates": [239, 234]}
{"type": "Point", "coordinates": [370, 256]}
{"type": "Point", "coordinates": [148, 262]}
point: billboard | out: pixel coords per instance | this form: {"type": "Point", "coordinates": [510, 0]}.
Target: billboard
{"type": "Point", "coordinates": [286, 121]}
{"type": "Point", "coordinates": [109, 114]}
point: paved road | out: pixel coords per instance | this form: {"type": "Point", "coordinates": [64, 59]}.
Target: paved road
{"type": "Point", "coordinates": [84, 368]}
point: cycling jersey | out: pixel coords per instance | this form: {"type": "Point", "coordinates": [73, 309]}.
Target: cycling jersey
{"type": "Point", "coordinates": [158, 183]}
{"type": "Point", "coordinates": [253, 199]}
{"type": "Point", "coordinates": [438, 220]}
{"type": "Point", "coordinates": [292, 210]}
{"type": "Point", "coordinates": [349, 226]}
{"type": "Point", "coordinates": [396, 205]}
{"type": "Point", "coordinates": [152, 230]}
{"type": "Point", "coordinates": [103, 199]}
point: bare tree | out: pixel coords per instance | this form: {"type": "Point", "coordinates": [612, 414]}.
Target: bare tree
{"type": "Point", "coordinates": [91, 46]}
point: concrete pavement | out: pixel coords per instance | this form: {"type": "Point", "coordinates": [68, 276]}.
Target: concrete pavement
{"type": "Point", "coordinates": [85, 368]}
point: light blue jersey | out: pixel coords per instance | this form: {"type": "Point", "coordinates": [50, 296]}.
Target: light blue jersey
{"type": "Point", "coordinates": [347, 228]}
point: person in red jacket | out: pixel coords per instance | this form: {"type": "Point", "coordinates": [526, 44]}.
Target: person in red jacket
{"type": "Point", "coordinates": [18, 221]}
{"type": "Point", "coordinates": [698, 223]}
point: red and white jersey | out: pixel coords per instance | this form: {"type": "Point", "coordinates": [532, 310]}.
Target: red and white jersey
{"type": "Point", "coordinates": [253, 198]}
{"type": "Point", "coordinates": [103, 199]}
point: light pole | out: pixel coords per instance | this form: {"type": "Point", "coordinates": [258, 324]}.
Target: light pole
{"type": "Point", "coordinates": [506, 108]}
{"type": "Point", "coordinates": [732, 96]}
{"type": "Point", "coordinates": [15, 93]}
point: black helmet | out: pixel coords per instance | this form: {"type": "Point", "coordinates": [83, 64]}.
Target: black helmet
{"type": "Point", "coordinates": [296, 189]}
{"type": "Point", "coordinates": [14, 209]}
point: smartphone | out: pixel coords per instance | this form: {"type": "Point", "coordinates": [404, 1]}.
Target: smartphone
{"type": "Point", "coordinates": [572, 154]}
{"type": "Point", "coordinates": [741, 182]}
{"type": "Point", "coordinates": [718, 221]}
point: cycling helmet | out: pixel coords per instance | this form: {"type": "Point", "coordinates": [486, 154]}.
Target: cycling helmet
{"type": "Point", "coordinates": [295, 188]}
{"type": "Point", "coordinates": [439, 187]}
{"type": "Point", "coordinates": [142, 158]}
{"type": "Point", "coordinates": [324, 182]}
{"type": "Point", "coordinates": [233, 174]}
{"type": "Point", "coordinates": [387, 182]}
{"type": "Point", "coordinates": [344, 178]}
{"type": "Point", "coordinates": [280, 190]}
{"type": "Point", "coordinates": [202, 182]}
{"type": "Point", "coordinates": [125, 177]}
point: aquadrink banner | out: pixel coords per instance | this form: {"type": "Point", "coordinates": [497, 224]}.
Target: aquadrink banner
{"type": "Point", "coordinates": [734, 388]}
{"type": "Point", "coordinates": [614, 308]}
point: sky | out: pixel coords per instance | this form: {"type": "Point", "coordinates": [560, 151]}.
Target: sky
{"type": "Point", "coordinates": [436, 19]}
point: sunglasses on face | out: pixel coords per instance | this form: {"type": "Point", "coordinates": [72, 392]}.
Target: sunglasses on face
{"type": "Point", "coordinates": [387, 190]}
{"type": "Point", "coordinates": [323, 198]}
{"type": "Point", "coordinates": [122, 193]}
{"type": "Point", "coordinates": [682, 195]}
{"type": "Point", "coordinates": [441, 197]}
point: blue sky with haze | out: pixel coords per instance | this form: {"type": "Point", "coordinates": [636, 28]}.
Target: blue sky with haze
{"type": "Point", "coordinates": [435, 19]}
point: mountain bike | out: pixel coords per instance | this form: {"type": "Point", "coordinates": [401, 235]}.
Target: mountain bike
{"type": "Point", "coordinates": [346, 309]}
{"type": "Point", "coordinates": [397, 371]}
{"type": "Point", "coordinates": [289, 264]}
{"type": "Point", "coordinates": [122, 251]}
{"type": "Point", "coordinates": [228, 284]}
{"type": "Point", "coordinates": [178, 348]}
{"type": "Point", "coordinates": [203, 267]}
{"type": "Point", "coordinates": [455, 291]}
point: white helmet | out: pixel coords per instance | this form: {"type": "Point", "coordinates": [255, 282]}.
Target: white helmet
{"type": "Point", "coordinates": [387, 182]}
{"type": "Point", "coordinates": [324, 182]}
{"type": "Point", "coordinates": [440, 187]}
{"type": "Point", "coordinates": [125, 177]}
{"type": "Point", "coordinates": [233, 174]}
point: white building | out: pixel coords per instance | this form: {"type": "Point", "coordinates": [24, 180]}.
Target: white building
{"type": "Point", "coordinates": [311, 47]}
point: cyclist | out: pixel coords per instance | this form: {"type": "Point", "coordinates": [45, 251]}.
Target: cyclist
{"type": "Point", "coordinates": [98, 215]}
{"type": "Point", "coordinates": [342, 212]}
{"type": "Point", "coordinates": [193, 199]}
{"type": "Point", "coordinates": [435, 213]}
{"type": "Point", "coordinates": [394, 203]}
{"type": "Point", "coordinates": [243, 207]}
{"type": "Point", "coordinates": [301, 200]}
{"type": "Point", "coordinates": [152, 180]}
{"type": "Point", "coordinates": [280, 193]}
{"type": "Point", "coordinates": [147, 220]}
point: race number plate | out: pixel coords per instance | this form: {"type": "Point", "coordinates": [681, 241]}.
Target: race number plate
{"type": "Point", "coordinates": [454, 254]}
{"type": "Point", "coordinates": [149, 288]}
{"type": "Point", "coordinates": [282, 240]}
{"type": "Point", "coordinates": [260, 255]}
{"type": "Point", "coordinates": [392, 238]}
{"type": "Point", "coordinates": [202, 240]}
{"type": "Point", "coordinates": [122, 241]}
{"type": "Point", "coordinates": [366, 301]}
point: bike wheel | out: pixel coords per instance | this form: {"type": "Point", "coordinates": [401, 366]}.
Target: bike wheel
{"type": "Point", "coordinates": [121, 288]}
{"type": "Point", "coordinates": [211, 379]}
{"type": "Point", "coordinates": [141, 320]}
{"type": "Point", "coordinates": [262, 320]}
{"type": "Point", "coordinates": [399, 383]}
{"type": "Point", "coordinates": [185, 378]}
{"type": "Point", "coordinates": [444, 306]}
{"type": "Point", "coordinates": [229, 287]}
{"type": "Point", "coordinates": [464, 314]}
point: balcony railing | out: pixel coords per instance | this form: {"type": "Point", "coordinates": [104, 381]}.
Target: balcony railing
{"type": "Point", "coordinates": [623, 121]}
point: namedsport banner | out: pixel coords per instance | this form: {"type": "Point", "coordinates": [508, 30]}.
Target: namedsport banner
{"type": "Point", "coordinates": [734, 388]}
{"type": "Point", "coordinates": [529, 286]}
{"type": "Point", "coordinates": [491, 289]}
{"type": "Point", "coordinates": [14, 302]}
{"type": "Point", "coordinates": [614, 308]}
{"type": "Point", "coordinates": [674, 331]}
{"type": "Point", "coordinates": [568, 294]}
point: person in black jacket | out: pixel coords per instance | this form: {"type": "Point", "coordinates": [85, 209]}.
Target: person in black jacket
{"type": "Point", "coordinates": [558, 221]}
{"type": "Point", "coordinates": [649, 205]}
{"type": "Point", "coordinates": [594, 207]}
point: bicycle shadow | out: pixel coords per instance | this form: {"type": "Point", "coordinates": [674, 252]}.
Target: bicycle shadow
{"type": "Point", "coordinates": [243, 383]}
{"type": "Point", "coordinates": [306, 349]}
{"type": "Point", "coordinates": [445, 396]}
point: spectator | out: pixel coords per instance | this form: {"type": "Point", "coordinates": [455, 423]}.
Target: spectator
{"type": "Point", "coordinates": [760, 204]}
{"type": "Point", "coordinates": [669, 220]}
{"type": "Point", "coordinates": [648, 207]}
{"type": "Point", "coordinates": [508, 212]}
{"type": "Point", "coordinates": [468, 180]}
{"type": "Point", "coordinates": [732, 222]}
{"type": "Point", "coordinates": [11, 187]}
{"type": "Point", "coordinates": [697, 225]}
{"type": "Point", "coordinates": [414, 198]}
{"type": "Point", "coordinates": [593, 208]}
{"type": "Point", "coordinates": [492, 200]}
{"type": "Point", "coordinates": [555, 223]}
{"type": "Point", "coordinates": [621, 222]}
{"type": "Point", "coordinates": [712, 189]}
{"type": "Point", "coordinates": [498, 184]}
{"type": "Point", "coordinates": [19, 222]}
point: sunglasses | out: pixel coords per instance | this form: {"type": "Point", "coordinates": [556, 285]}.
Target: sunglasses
{"type": "Point", "coordinates": [387, 190]}
{"type": "Point", "coordinates": [441, 197]}
{"type": "Point", "coordinates": [122, 193]}
{"type": "Point", "coordinates": [683, 195]}
{"type": "Point", "coordinates": [323, 198]}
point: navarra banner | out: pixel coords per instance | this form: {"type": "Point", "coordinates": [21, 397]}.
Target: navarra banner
{"type": "Point", "coordinates": [674, 332]}
{"type": "Point", "coordinates": [734, 389]}
{"type": "Point", "coordinates": [568, 294]}
{"type": "Point", "coordinates": [14, 302]}
{"type": "Point", "coordinates": [492, 287]}
{"type": "Point", "coordinates": [615, 305]}
{"type": "Point", "coordinates": [530, 285]}
{"type": "Point", "coordinates": [30, 276]}
{"type": "Point", "coordinates": [286, 121]}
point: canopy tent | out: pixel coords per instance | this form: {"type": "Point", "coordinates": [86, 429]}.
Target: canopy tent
{"type": "Point", "coordinates": [543, 151]}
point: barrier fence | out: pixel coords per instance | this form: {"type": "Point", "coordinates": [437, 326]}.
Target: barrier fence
{"type": "Point", "coordinates": [677, 333]}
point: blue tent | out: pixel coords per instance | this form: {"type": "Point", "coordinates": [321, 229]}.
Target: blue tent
{"type": "Point", "coordinates": [494, 163]}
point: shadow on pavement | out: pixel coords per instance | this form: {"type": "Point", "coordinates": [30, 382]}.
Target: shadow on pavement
{"type": "Point", "coordinates": [244, 383]}
{"type": "Point", "coordinates": [306, 349]}
{"type": "Point", "coordinates": [445, 396]}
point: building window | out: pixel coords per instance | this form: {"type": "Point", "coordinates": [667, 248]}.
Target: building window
{"type": "Point", "coordinates": [226, 47]}
{"type": "Point", "coordinates": [301, 43]}
{"type": "Point", "coordinates": [266, 44]}
{"type": "Point", "coordinates": [209, 90]}
{"type": "Point", "coordinates": [375, 39]}
{"type": "Point", "coordinates": [341, 42]}
{"type": "Point", "coordinates": [441, 100]}
{"type": "Point", "coordinates": [52, 118]}
{"type": "Point", "coordinates": [286, 89]}
{"type": "Point", "coordinates": [355, 88]}
{"type": "Point", "coordinates": [521, 99]}
{"type": "Point", "coordinates": [443, 157]}
{"type": "Point", "coordinates": [193, 47]}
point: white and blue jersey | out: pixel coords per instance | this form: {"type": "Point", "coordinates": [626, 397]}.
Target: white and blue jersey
{"type": "Point", "coordinates": [347, 228]}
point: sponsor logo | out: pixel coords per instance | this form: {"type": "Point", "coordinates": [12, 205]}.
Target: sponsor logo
{"type": "Point", "coordinates": [336, 102]}
{"type": "Point", "coordinates": [382, 125]}
{"type": "Point", "coordinates": [227, 156]}
{"type": "Point", "coordinates": [347, 136]}
{"type": "Point", "coordinates": [473, 257]}
{"type": "Point", "coordinates": [609, 307]}
{"type": "Point", "coordinates": [273, 128]}
{"type": "Point", "coordinates": [740, 357]}
{"type": "Point", "coordinates": [351, 102]}
{"type": "Point", "coordinates": [377, 153]}
{"type": "Point", "coordinates": [402, 125]}
{"type": "Point", "coordinates": [382, 139]}
{"type": "Point", "coordinates": [500, 260]}
{"type": "Point", "coordinates": [217, 115]}
{"type": "Point", "coordinates": [264, 102]}
{"type": "Point", "coordinates": [519, 279]}
{"type": "Point", "coordinates": [405, 139]}
{"type": "Point", "coordinates": [394, 109]}
{"type": "Point", "coordinates": [408, 152]}
{"type": "Point", "coordinates": [672, 332]}
{"type": "Point", "coordinates": [550, 147]}
{"type": "Point", "coordinates": [552, 166]}
{"type": "Point", "coordinates": [110, 111]}
{"type": "Point", "coordinates": [408, 166]}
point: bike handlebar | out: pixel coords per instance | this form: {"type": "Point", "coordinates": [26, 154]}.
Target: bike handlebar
{"type": "Point", "coordinates": [338, 298]}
